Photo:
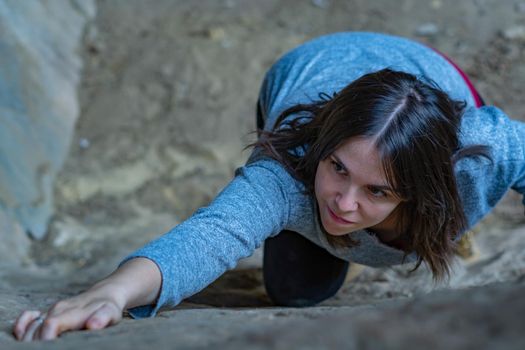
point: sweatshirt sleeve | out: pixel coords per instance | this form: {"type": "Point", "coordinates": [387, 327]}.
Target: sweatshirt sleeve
{"type": "Point", "coordinates": [482, 182]}
{"type": "Point", "coordinates": [252, 207]}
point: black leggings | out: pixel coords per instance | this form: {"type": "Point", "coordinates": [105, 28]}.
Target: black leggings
{"type": "Point", "coordinates": [297, 272]}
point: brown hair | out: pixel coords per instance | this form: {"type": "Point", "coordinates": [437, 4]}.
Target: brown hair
{"type": "Point", "coordinates": [415, 127]}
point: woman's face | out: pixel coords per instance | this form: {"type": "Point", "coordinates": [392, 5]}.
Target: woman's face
{"type": "Point", "coordinates": [351, 190]}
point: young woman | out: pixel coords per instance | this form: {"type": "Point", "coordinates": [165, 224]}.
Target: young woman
{"type": "Point", "coordinates": [373, 149]}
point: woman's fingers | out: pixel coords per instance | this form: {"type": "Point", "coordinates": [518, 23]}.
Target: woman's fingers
{"type": "Point", "coordinates": [52, 327]}
{"type": "Point", "coordinates": [90, 310]}
{"type": "Point", "coordinates": [71, 319]}
{"type": "Point", "coordinates": [104, 316]}
{"type": "Point", "coordinates": [23, 321]}
{"type": "Point", "coordinates": [32, 328]}
{"type": "Point", "coordinates": [93, 316]}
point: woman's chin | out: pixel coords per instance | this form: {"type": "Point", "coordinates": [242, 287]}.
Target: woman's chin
{"type": "Point", "coordinates": [334, 232]}
{"type": "Point", "coordinates": [337, 234]}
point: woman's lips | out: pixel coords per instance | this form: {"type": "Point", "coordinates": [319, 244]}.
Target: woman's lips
{"type": "Point", "coordinates": [337, 218]}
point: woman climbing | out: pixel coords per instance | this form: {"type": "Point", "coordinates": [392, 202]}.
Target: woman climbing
{"type": "Point", "coordinates": [372, 149]}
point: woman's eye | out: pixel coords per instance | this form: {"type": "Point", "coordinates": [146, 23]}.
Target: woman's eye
{"type": "Point", "coordinates": [337, 167]}
{"type": "Point", "coordinates": [377, 192]}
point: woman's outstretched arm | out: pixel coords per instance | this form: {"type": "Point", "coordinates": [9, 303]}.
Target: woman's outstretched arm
{"type": "Point", "coordinates": [183, 261]}
{"type": "Point", "coordinates": [137, 282]}
{"type": "Point", "coordinates": [252, 207]}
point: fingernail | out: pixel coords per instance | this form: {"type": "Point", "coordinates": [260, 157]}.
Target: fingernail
{"type": "Point", "coordinates": [47, 337]}
{"type": "Point", "coordinates": [94, 324]}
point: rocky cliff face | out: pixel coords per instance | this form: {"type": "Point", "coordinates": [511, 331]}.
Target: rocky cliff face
{"type": "Point", "coordinates": [39, 75]}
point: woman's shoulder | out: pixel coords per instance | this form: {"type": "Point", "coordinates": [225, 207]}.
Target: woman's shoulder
{"type": "Point", "coordinates": [269, 172]}
{"type": "Point", "coordinates": [273, 180]}
{"type": "Point", "coordinates": [261, 166]}
{"type": "Point", "coordinates": [492, 127]}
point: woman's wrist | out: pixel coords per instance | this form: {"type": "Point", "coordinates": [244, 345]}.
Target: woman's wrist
{"type": "Point", "coordinates": [135, 283]}
{"type": "Point", "coordinates": [110, 289]}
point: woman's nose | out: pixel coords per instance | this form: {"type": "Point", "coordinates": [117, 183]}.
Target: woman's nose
{"type": "Point", "coordinates": [348, 200]}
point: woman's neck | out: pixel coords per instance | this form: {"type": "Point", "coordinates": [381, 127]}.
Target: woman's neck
{"type": "Point", "coordinates": [389, 233]}
{"type": "Point", "coordinates": [387, 229]}
{"type": "Point", "coordinates": [385, 233]}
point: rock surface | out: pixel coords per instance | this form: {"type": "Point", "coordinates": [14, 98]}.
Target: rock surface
{"type": "Point", "coordinates": [39, 75]}
{"type": "Point", "coordinates": [167, 94]}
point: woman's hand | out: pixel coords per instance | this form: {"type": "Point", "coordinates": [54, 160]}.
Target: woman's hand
{"type": "Point", "coordinates": [135, 283]}
{"type": "Point", "coordinates": [94, 309]}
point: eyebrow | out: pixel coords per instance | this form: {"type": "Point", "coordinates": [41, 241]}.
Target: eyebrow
{"type": "Point", "coordinates": [380, 187]}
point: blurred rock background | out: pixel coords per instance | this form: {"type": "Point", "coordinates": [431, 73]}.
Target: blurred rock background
{"type": "Point", "coordinates": [159, 102]}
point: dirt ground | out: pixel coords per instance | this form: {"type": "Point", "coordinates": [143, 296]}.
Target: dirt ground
{"type": "Point", "coordinates": [167, 105]}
